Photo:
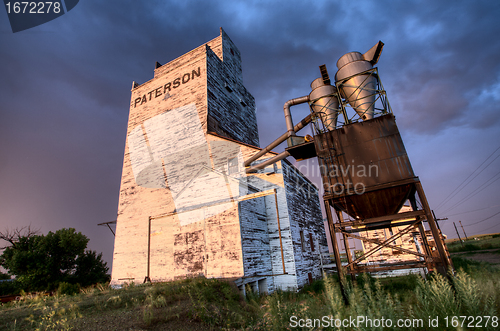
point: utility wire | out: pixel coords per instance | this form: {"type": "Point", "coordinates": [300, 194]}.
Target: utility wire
{"type": "Point", "coordinates": [490, 227]}
{"type": "Point", "coordinates": [476, 191]}
{"type": "Point", "coordinates": [470, 180]}
{"type": "Point", "coordinates": [460, 187]}
{"type": "Point", "coordinates": [471, 211]}
{"type": "Point", "coordinates": [487, 218]}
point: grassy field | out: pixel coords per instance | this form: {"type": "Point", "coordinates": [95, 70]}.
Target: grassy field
{"type": "Point", "coordinates": [476, 243]}
{"type": "Point", "coordinates": [201, 304]}
{"type": "Point", "coordinates": [476, 237]}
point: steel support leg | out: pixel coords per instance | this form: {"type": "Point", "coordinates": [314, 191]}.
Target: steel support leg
{"type": "Point", "coordinates": [444, 263]}
{"type": "Point", "coordinates": [336, 252]}
{"type": "Point", "coordinates": [346, 245]}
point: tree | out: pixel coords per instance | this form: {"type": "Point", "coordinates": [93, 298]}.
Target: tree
{"type": "Point", "coordinates": [13, 236]}
{"type": "Point", "coordinates": [42, 262]}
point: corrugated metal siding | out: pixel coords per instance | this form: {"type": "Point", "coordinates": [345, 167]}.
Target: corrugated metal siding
{"type": "Point", "coordinates": [305, 215]}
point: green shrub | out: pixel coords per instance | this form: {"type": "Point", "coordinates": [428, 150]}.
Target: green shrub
{"type": "Point", "coordinates": [215, 303]}
{"type": "Point", "coordinates": [316, 286]}
{"type": "Point", "coordinates": [470, 266]}
{"type": "Point", "coordinates": [401, 284]}
{"type": "Point", "coordinates": [8, 287]}
{"type": "Point", "coordinates": [470, 248]}
{"type": "Point", "coordinates": [487, 246]}
{"type": "Point", "coordinates": [68, 289]}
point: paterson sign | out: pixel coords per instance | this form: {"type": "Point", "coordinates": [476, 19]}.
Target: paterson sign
{"type": "Point", "coordinates": [164, 89]}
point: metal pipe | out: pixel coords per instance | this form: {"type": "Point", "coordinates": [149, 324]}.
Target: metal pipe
{"type": "Point", "coordinates": [264, 164]}
{"type": "Point", "coordinates": [288, 114]}
{"type": "Point", "coordinates": [147, 279]}
{"type": "Point", "coordinates": [216, 203]}
{"type": "Point", "coordinates": [271, 275]}
{"type": "Point", "coordinates": [279, 230]}
{"type": "Point", "coordinates": [278, 141]}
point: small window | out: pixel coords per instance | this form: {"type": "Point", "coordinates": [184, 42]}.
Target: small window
{"type": "Point", "coordinates": [311, 242]}
{"type": "Point", "coordinates": [232, 166]}
{"type": "Point", "coordinates": [263, 286]}
{"type": "Point", "coordinates": [302, 241]}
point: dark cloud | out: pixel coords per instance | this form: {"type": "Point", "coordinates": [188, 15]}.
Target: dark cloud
{"type": "Point", "coordinates": [66, 85]}
{"type": "Point", "coordinates": [444, 57]}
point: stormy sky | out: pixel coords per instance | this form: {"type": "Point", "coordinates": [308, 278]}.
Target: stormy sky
{"type": "Point", "coordinates": [65, 93]}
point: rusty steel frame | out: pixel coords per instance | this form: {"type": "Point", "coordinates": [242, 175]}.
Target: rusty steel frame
{"type": "Point", "coordinates": [399, 266]}
{"type": "Point", "coordinates": [395, 217]}
{"type": "Point", "coordinates": [378, 242]}
{"type": "Point", "coordinates": [385, 243]}
{"type": "Point", "coordinates": [378, 205]}
{"type": "Point", "coordinates": [438, 260]}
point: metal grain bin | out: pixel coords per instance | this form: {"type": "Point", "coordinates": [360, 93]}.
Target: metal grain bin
{"type": "Point", "coordinates": [358, 163]}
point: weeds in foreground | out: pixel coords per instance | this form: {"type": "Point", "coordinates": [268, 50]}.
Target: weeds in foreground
{"type": "Point", "coordinates": [474, 291]}
{"type": "Point", "coordinates": [370, 302]}
{"type": "Point", "coordinates": [55, 318]}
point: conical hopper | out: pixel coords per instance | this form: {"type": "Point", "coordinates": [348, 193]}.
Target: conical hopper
{"type": "Point", "coordinates": [324, 103]}
{"type": "Point", "coordinates": [359, 90]}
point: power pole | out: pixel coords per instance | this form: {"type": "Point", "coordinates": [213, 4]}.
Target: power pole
{"type": "Point", "coordinates": [458, 234]}
{"type": "Point", "coordinates": [463, 230]}
{"type": "Point", "coordinates": [438, 219]}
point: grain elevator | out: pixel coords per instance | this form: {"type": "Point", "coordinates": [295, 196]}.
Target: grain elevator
{"type": "Point", "coordinates": [187, 206]}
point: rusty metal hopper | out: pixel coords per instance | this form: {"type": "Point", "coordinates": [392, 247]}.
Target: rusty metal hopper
{"type": "Point", "coordinates": [358, 163]}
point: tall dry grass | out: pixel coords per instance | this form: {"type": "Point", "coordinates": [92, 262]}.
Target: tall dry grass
{"type": "Point", "coordinates": [473, 291]}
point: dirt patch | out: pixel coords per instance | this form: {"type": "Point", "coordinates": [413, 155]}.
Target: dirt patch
{"type": "Point", "coordinates": [491, 256]}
